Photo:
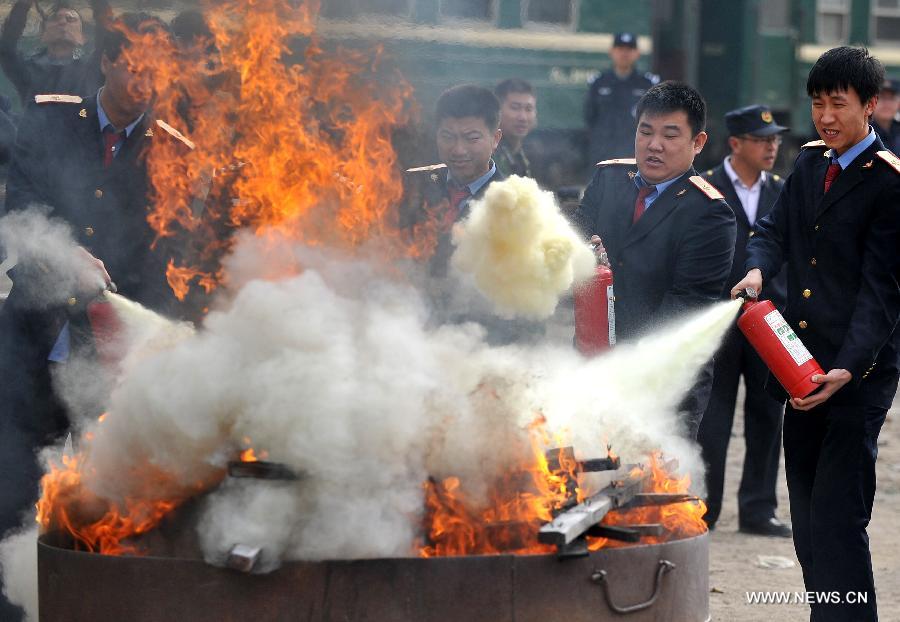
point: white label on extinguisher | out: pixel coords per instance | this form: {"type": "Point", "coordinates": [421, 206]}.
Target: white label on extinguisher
{"type": "Point", "coordinates": [611, 314]}
{"type": "Point", "coordinates": [788, 337]}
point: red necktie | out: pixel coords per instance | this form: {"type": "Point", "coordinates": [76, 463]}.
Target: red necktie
{"type": "Point", "coordinates": [111, 140]}
{"type": "Point", "coordinates": [640, 203]}
{"type": "Point", "coordinates": [831, 174]}
{"type": "Point", "coordinates": [456, 195]}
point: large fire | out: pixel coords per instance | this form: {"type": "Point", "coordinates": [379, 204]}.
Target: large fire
{"type": "Point", "coordinates": [530, 495]}
{"type": "Point", "coordinates": [286, 138]}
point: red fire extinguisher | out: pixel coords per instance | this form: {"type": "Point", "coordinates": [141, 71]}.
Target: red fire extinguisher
{"type": "Point", "coordinates": [595, 314]}
{"type": "Point", "coordinates": [107, 329]}
{"type": "Point", "coordinates": [778, 345]}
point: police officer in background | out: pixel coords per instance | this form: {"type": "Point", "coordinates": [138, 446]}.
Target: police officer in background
{"type": "Point", "coordinates": [745, 178]}
{"type": "Point", "coordinates": [836, 224]}
{"type": "Point", "coordinates": [668, 233]}
{"type": "Point", "coordinates": [884, 119]}
{"type": "Point", "coordinates": [609, 109]}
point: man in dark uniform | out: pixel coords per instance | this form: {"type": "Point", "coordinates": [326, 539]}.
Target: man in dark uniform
{"type": "Point", "coordinates": [468, 132]}
{"type": "Point", "coordinates": [85, 159]}
{"type": "Point", "coordinates": [745, 178]}
{"type": "Point", "coordinates": [674, 258]}
{"type": "Point", "coordinates": [59, 67]}
{"type": "Point", "coordinates": [609, 109]}
{"type": "Point", "coordinates": [837, 226]}
{"type": "Point", "coordinates": [518, 116]}
{"type": "Point", "coordinates": [884, 119]}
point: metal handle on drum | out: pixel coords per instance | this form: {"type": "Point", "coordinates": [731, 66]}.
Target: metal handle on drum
{"type": "Point", "coordinates": [599, 576]}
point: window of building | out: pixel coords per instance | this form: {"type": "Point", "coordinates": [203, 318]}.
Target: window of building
{"type": "Point", "coordinates": [833, 21]}
{"type": "Point", "coordinates": [555, 12]}
{"type": "Point", "coordinates": [482, 10]}
{"type": "Point", "coordinates": [775, 15]}
{"type": "Point", "coordinates": [349, 9]}
{"type": "Point", "coordinates": [886, 21]}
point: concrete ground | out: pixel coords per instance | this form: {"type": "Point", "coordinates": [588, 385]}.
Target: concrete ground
{"type": "Point", "coordinates": [734, 557]}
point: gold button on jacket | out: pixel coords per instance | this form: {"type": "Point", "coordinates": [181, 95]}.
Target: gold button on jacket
{"type": "Point", "coordinates": [802, 324]}
{"type": "Point", "coordinates": [807, 293]}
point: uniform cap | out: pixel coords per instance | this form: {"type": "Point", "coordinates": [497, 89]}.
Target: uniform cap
{"type": "Point", "coordinates": [891, 84]}
{"type": "Point", "coordinates": [755, 120]}
{"type": "Point", "coordinates": [625, 39]}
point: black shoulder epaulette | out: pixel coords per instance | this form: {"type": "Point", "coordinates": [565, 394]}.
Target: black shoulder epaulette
{"type": "Point", "coordinates": [705, 187]}
{"type": "Point", "coordinates": [814, 144]}
{"type": "Point", "coordinates": [623, 161]}
{"type": "Point", "coordinates": [57, 99]}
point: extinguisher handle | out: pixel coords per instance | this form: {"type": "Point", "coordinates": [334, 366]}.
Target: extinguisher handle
{"type": "Point", "coordinates": [748, 294]}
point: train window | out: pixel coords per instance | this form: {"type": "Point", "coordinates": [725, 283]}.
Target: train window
{"type": "Point", "coordinates": [468, 9]}
{"type": "Point", "coordinates": [833, 20]}
{"type": "Point", "coordinates": [344, 9]}
{"type": "Point", "coordinates": [775, 14]}
{"type": "Point", "coordinates": [557, 12]}
{"type": "Point", "coordinates": [886, 21]}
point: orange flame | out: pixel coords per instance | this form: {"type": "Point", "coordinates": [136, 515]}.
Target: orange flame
{"type": "Point", "coordinates": [287, 139]}
{"type": "Point", "coordinates": [95, 524]}
{"type": "Point", "coordinates": [522, 501]}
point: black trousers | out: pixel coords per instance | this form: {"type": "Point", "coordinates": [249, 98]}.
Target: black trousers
{"type": "Point", "coordinates": [830, 457]}
{"type": "Point", "coordinates": [31, 418]}
{"type": "Point", "coordinates": [757, 501]}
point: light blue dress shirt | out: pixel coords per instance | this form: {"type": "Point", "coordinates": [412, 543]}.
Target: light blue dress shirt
{"type": "Point", "coordinates": [658, 189]}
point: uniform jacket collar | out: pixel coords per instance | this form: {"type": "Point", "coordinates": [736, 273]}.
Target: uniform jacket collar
{"type": "Point", "coordinates": [89, 130]}
{"type": "Point", "coordinates": [849, 178]}
{"type": "Point", "coordinates": [663, 206]}
{"type": "Point", "coordinates": [767, 196]}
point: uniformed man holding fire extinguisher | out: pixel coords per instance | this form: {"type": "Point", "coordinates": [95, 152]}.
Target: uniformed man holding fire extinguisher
{"type": "Point", "coordinates": [669, 233]}
{"type": "Point", "coordinates": [836, 224]}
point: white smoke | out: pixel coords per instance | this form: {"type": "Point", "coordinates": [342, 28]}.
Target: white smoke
{"type": "Point", "coordinates": [335, 374]}
{"type": "Point", "coordinates": [521, 250]}
{"type": "Point", "coordinates": [18, 555]}
{"type": "Point", "coordinates": [56, 266]}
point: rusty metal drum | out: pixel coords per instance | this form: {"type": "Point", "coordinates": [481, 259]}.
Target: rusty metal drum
{"type": "Point", "coordinates": [666, 582]}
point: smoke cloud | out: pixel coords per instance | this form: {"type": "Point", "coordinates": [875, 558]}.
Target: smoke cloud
{"type": "Point", "coordinates": [336, 374]}
{"type": "Point", "coordinates": [47, 256]}
{"type": "Point", "coordinates": [521, 250]}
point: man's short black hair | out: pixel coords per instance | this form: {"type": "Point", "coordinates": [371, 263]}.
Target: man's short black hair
{"type": "Point", "coordinates": [842, 67]}
{"type": "Point", "coordinates": [512, 85]}
{"type": "Point", "coordinates": [190, 26]}
{"type": "Point", "coordinates": [468, 100]}
{"type": "Point", "coordinates": [129, 24]}
{"type": "Point", "coordinates": [670, 96]}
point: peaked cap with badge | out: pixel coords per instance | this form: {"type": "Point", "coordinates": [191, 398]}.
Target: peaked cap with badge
{"type": "Point", "coordinates": [756, 120]}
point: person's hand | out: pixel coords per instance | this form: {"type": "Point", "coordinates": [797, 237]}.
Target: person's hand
{"type": "Point", "coordinates": [753, 279]}
{"type": "Point", "coordinates": [92, 275]}
{"type": "Point", "coordinates": [831, 382]}
{"type": "Point", "coordinates": [597, 243]}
